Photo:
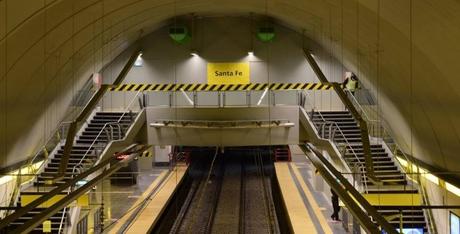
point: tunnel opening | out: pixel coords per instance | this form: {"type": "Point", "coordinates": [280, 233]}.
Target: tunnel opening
{"type": "Point", "coordinates": [231, 190]}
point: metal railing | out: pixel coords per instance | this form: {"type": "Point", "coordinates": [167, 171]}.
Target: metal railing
{"type": "Point", "coordinates": [333, 127]}
{"type": "Point", "coordinates": [53, 141]}
{"type": "Point", "coordinates": [386, 137]}
{"type": "Point", "coordinates": [79, 166]}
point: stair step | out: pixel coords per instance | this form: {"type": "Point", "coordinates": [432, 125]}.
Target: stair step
{"type": "Point", "coordinates": [74, 160]}
{"type": "Point", "coordinates": [71, 164]}
{"type": "Point", "coordinates": [90, 154]}
{"type": "Point", "coordinates": [362, 158]}
{"type": "Point", "coordinates": [340, 124]}
{"type": "Point", "coordinates": [374, 162]}
{"type": "Point", "coordinates": [381, 190]}
{"type": "Point", "coordinates": [53, 173]}
{"type": "Point", "coordinates": [361, 146]}
{"type": "Point", "coordinates": [334, 112]}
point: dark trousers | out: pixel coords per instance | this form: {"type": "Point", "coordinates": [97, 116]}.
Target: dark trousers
{"type": "Point", "coordinates": [335, 207]}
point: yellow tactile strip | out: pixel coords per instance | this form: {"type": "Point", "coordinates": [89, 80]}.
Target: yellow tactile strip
{"type": "Point", "coordinates": [322, 220]}
{"type": "Point", "coordinates": [142, 198]}
{"type": "Point", "coordinates": [157, 203]}
{"type": "Point", "coordinates": [301, 221]}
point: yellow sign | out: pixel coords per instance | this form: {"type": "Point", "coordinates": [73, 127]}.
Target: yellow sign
{"type": "Point", "coordinates": [394, 199]}
{"type": "Point", "coordinates": [47, 226]}
{"type": "Point", "coordinates": [83, 200]}
{"type": "Point", "coordinates": [228, 73]}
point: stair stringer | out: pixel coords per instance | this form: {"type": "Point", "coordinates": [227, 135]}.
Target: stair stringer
{"type": "Point", "coordinates": [129, 138]}
{"type": "Point", "coordinates": [323, 144]}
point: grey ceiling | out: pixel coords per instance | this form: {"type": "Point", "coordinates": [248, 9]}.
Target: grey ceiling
{"type": "Point", "coordinates": [407, 51]}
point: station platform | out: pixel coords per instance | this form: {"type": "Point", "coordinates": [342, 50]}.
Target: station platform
{"type": "Point", "coordinates": [142, 216]}
{"type": "Point", "coordinates": [303, 211]}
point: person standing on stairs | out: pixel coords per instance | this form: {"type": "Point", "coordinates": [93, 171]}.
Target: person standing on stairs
{"type": "Point", "coordinates": [335, 206]}
{"type": "Point", "coordinates": [351, 83]}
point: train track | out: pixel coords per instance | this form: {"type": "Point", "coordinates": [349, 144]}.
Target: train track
{"type": "Point", "coordinates": [235, 199]}
{"type": "Point", "coordinates": [258, 209]}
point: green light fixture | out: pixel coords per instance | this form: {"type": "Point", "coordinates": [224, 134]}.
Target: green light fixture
{"type": "Point", "coordinates": [266, 34]}
{"type": "Point", "coordinates": [180, 34]}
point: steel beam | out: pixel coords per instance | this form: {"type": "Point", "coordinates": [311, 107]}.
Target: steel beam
{"type": "Point", "coordinates": [85, 112]}
{"type": "Point", "coordinates": [44, 215]}
{"type": "Point", "coordinates": [362, 124]}
{"type": "Point", "coordinates": [347, 193]}
{"type": "Point", "coordinates": [24, 210]}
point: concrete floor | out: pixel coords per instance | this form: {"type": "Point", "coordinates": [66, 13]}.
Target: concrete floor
{"type": "Point", "coordinates": [118, 198]}
{"type": "Point", "coordinates": [323, 199]}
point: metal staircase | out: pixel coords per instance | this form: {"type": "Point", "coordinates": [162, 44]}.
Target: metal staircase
{"type": "Point", "coordinates": [341, 128]}
{"type": "Point", "coordinates": [102, 128]}
{"type": "Point", "coordinates": [55, 219]}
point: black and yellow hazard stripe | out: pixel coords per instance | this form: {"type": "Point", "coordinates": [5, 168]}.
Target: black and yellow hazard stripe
{"type": "Point", "coordinates": [221, 87]}
{"type": "Point", "coordinates": [146, 154]}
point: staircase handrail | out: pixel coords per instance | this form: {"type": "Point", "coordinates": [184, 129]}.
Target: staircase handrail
{"type": "Point", "coordinates": [17, 187]}
{"type": "Point", "coordinates": [380, 122]}
{"type": "Point", "coordinates": [355, 101]}
{"type": "Point", "coordinates": [361, 166]}
{"type": "Point", "coordinates": [92, 103]}
{"type": "Point", "coordinates": [117, 123]}
{"type": "Point", "coordinates": [79, 164]}
{"type": "Point", "coordinates": [57, 129]}
{"type": "Point", "coordinates": [338, 89]}
{"type": "Point", "coordinates": [397, 151]}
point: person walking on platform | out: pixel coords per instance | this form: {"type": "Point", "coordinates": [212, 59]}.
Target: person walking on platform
{"type": "Point", "coordinates": [335, 206]}
{"type": "Point", "coordinates": [351, 83]}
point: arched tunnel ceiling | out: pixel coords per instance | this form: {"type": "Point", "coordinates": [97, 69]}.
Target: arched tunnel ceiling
{"type": "Point", "coordinates": [418, 86]}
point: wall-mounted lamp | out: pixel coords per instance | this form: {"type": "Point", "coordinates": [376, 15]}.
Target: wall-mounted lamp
{"type": "Point", "coordinates": [139, 61]}
{"type": "Point", "coordinates": [194, 53]}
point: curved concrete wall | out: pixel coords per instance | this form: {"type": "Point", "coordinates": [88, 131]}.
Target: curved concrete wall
{"type": "Point", "coordinates": [222, 39]}
{"type": "Point", "coordinates": [406, 50]}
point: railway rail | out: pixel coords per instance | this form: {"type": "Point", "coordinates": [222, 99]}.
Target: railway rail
{"type": "Point", "coordinates": [232, 194]}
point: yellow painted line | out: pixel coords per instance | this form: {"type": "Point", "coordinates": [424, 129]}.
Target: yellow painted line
{"type": "Point", "coordinates": [309, 86]}
{"type": "Point", "coordinates": [297, 213]}
{"type": "Point", "coordinates": [241, 88]}
{"type": "Point", "coordinates": [225, 88]}
{"type": "Point", "coordinates": [220, 87]}
{"type": "Point", "coordinates": [168, 87]}
{"type": "Point", "coordinates": [192, 87]}
{"type": "Point", "coordinates": [394, 199]}
{"type": "Point", "coordinates": [152, 210]}
{"type": "Point", "coordinates": [135, 87]}
{"type": "Point", "coordinates": [209, 87]}
{"type": "Point", "coordinates": [144, 195]}
{"type": "Point", "coordinates": [83, 200]}
{"type": "Point", "coordinates": [312, 202]}
{"type": "Point", "coordinates": [284, 86]}
{"type": "Point", "coordinates": [159, 87]}
{"type": "Point", "coordinates": [201, 87]}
